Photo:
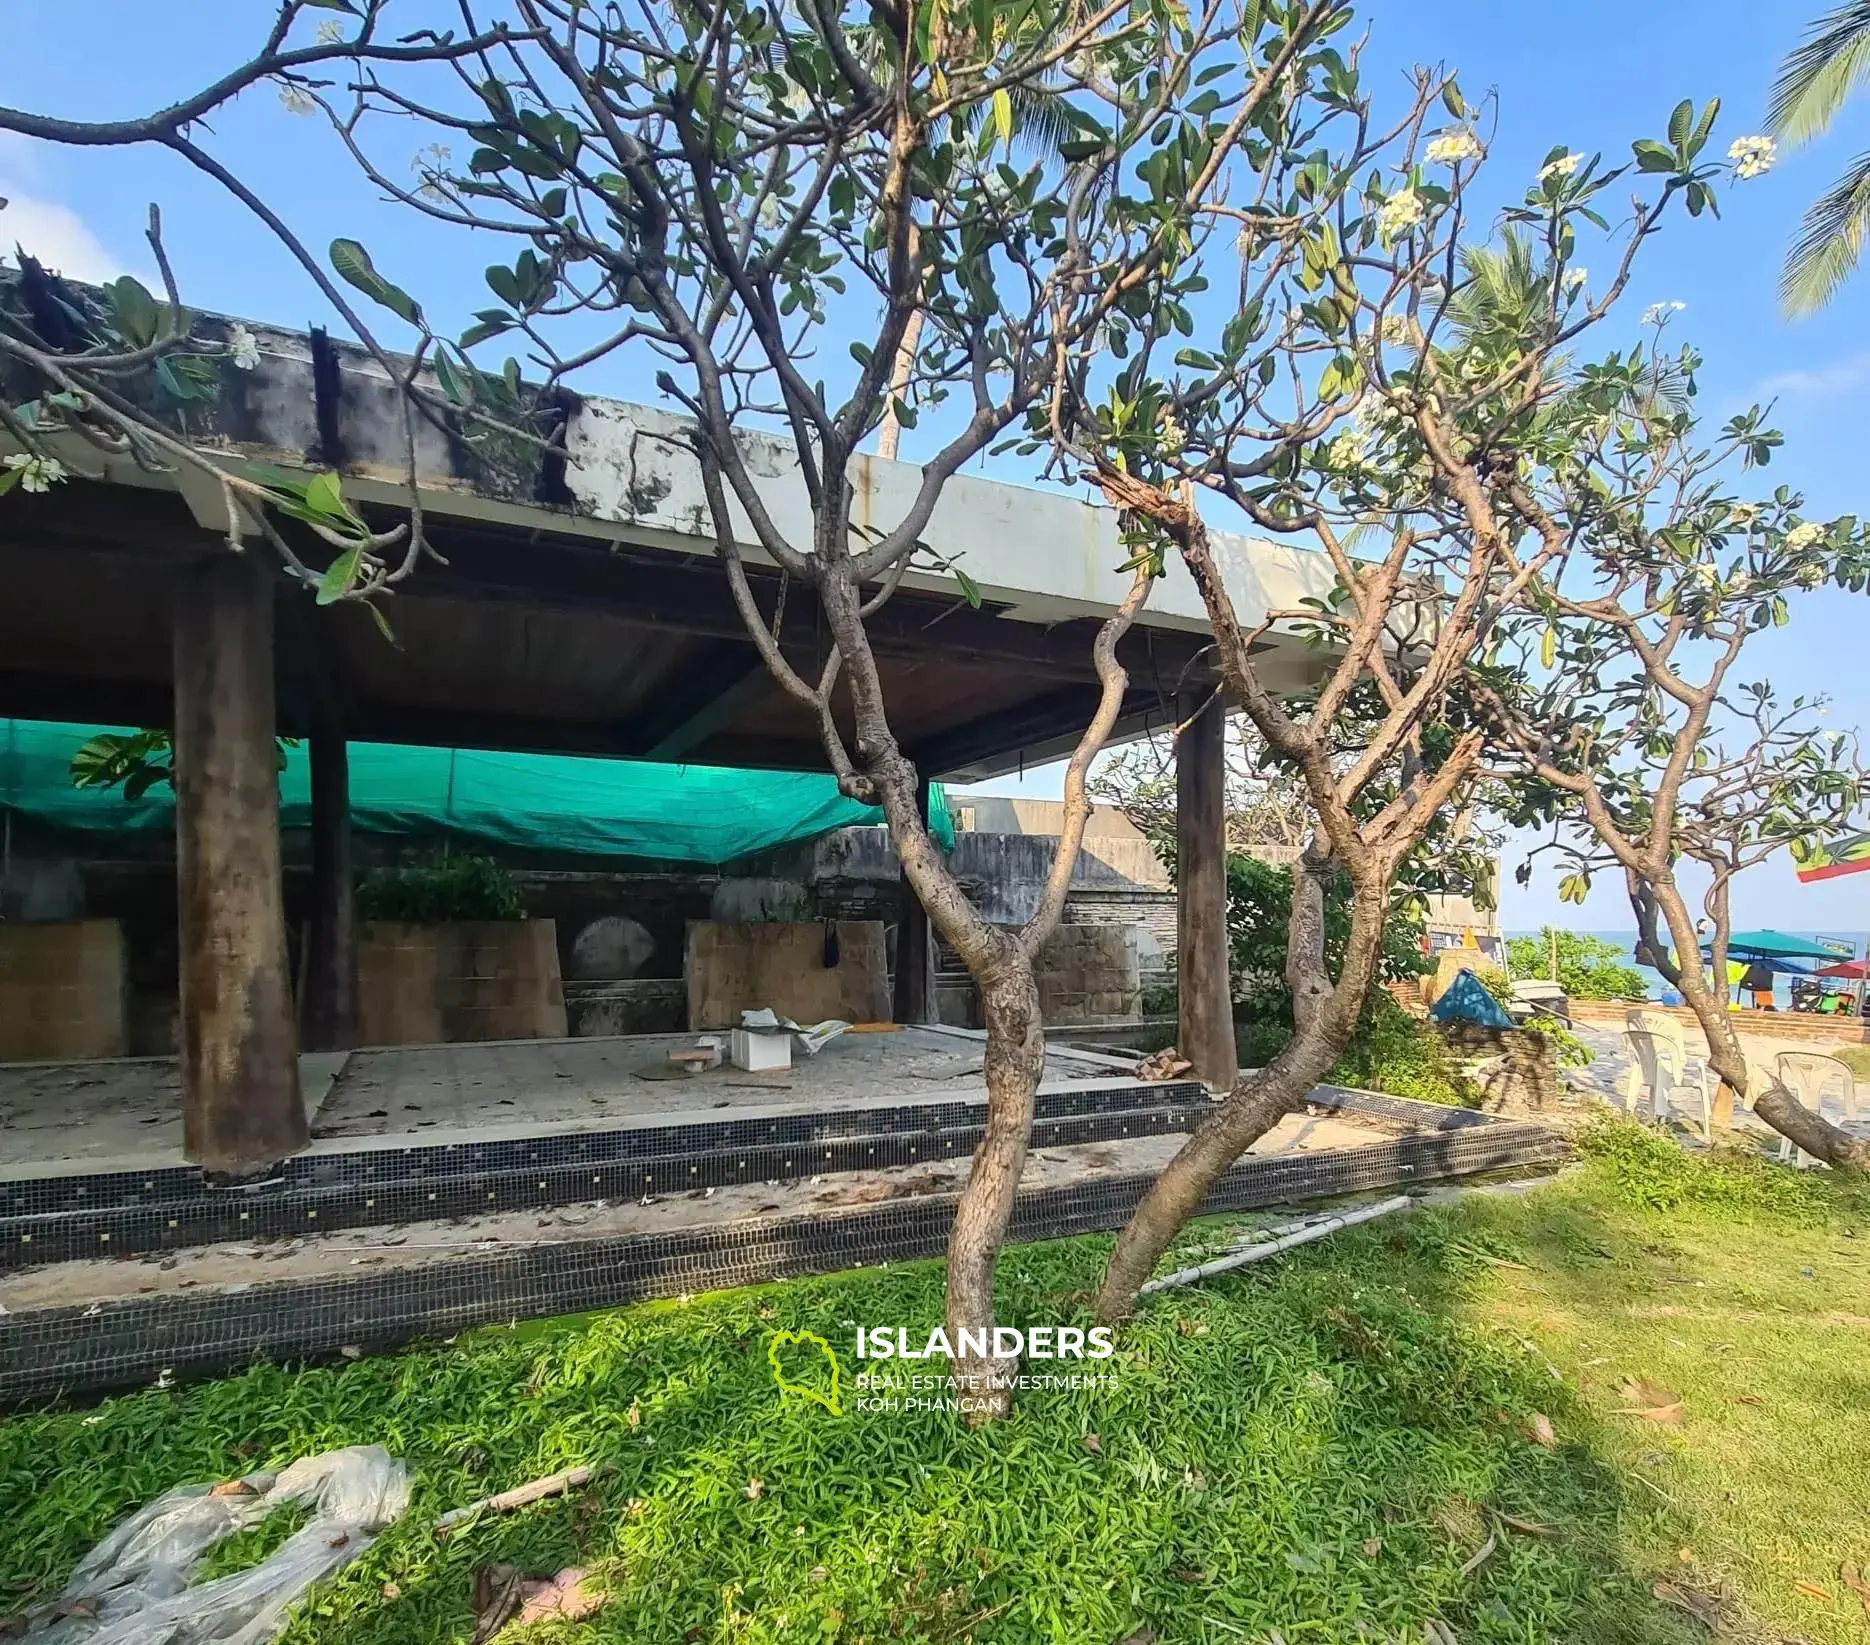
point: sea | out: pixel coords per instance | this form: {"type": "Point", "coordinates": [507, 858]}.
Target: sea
{"type": "Point", "coordinates": [1660, 990]}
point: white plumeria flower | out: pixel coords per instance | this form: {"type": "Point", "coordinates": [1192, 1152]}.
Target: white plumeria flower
{"type": "Point", "coordinates": [35, 473]}
{"type": "Point", "coordinates": [1563, 166]}
{"type": "Point", "coordinates": [330, 33]}
{"type": "Point", "coordinates": [243, 349]}
{"type": "Point", "coordinates": [1740, 580]}
{"type": "Point", "coordinates": [1346, 450]}
{"type": "Point", "coordinates": [1169, 434]}
{"type": "Point", "coordinates": [1575, 277]}
{"type": "Point", "coordinates": [297, 100]}
{"type": "Point", "coordinates": [1395, 330]}
{"type": "Point", "coordinates": [1656, 313]}
{"type": "Point", "coordinates": [1450, 148]}
{"type": "Point", "coordinates": [1805, 534]}
{"type": "Point", "coordinates": [1398, 214]}
{"type": "Point", "coordinates": [1752, 157]}
{"type": "Point", "coordinates": [1745, 513]}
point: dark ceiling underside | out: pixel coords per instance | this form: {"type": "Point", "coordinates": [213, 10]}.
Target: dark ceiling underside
{"type": "Point", "coordinates": [531, 642]}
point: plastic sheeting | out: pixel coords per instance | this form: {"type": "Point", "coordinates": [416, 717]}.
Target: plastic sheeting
{"type": "Point", "coordinates": [133, 1588]}
{"type": "Point", "coordinates": [540, 802]}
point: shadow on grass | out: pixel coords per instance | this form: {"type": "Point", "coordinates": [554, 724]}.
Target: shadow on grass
{"type": "Point", "coordinates": [1321, 1447]}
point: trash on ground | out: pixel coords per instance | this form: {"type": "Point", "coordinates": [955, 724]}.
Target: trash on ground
{"type": "Point", "coordinates": [506, 1596]}
{"type": "Point", "coordinates": [133, 1587]}
{"type": "Point", "coordinates": [810, 1038]}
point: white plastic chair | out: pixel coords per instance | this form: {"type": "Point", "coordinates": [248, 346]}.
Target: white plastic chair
{"type": "Point", "coordinates": [1661, 1068]}
{"type": "Point", "coordinates": [1811, 1076]}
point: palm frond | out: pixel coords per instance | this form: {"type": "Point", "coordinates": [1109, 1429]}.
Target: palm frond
{"type": "Point", "coordinates": [1831, 238]}
{"type": "Point", "coordinates": [1820, 73]}
{"type": "Point", "coordinates": [1502, 293]}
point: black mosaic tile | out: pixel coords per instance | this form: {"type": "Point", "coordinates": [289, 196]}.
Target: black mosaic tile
{"type": "Point", "coordinates": [71, 1352]}
{"type": "Point", "coordinates": [126, 1213]}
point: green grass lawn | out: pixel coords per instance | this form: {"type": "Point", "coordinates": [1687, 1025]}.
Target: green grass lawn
{"type": "Point", "coordinates": [1318, 1449]}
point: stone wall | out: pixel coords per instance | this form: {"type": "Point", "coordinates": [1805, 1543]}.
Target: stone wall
{"type": "Point", "coordinates": [62, 991]}
{"type": "Point", "coordinates": [1089, 974]}
{"type": "Point", "coordinates": [463, 981]}
{"type": "Point", "coordinates": [1516, 1069]}
{"type": "Point", "coordinates": [808, 972]}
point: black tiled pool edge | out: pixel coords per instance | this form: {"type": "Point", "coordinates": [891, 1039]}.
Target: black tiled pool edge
{"type": "Point", "coordinates": [128, 1213]}
{"type": "Point", "coordinates": [72, 1352]}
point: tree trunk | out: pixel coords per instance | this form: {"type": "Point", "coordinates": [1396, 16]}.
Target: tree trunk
{"type": "Point", "coordinates": [1324, 1019]}
{"type": "Point", "coordinates": [1775, 1105]}
{"type": "Point", "coordinates": [241, 1108]}
{"type": "Point", "coordinates": [1204, 992]}
{"type": "Point", "coordinates": [1014, 1061]}
{"type": "Point", "coordinates": [328, 977]}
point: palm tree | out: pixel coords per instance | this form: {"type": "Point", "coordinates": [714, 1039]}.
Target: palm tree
{"type": "Point", "coordinates": [1813, 83]}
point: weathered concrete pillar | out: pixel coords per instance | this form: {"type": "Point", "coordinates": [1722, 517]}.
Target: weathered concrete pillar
{"type": "Point", "coordinates": [328, 973]}
{"type": "Point", "coordinates": [241, 1109]}
{"type": "Point", "coordinates": [915, 951]}
{"type": "Point", "coordinates": [1205, 1034]}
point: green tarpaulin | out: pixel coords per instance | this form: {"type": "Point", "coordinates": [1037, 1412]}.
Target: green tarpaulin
{"type": "Point", "coordinates": [543, 802]}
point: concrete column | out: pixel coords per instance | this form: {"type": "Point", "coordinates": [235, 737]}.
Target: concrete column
{"type": "Point", "coordinates": [241, 1109]}
{"type": "Point", "coordinates": [915, 951]}
{"type": "Point", "coordinates": [1206, 1031]}
{"type": "Point", "coordinates": [328, 975]}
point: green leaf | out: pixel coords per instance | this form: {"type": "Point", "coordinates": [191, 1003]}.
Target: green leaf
{"type": "Point", "coordinates": [1651, 155]}
{"type": "Point", "coordinates": [382, 622]}
{"type": "Point", "coordinates": [1453, 101]}
{"type": "Point", "coordinates": [135, 311]}
{"type": "Point", "coordinates": [353, 263]}
{"type": "Point", "coordinates": [339, 575]}
{"type": "Point", "coordinates": [481, 331]}
{"type": "Point", "coordinates": [970, 590]}
{"type": "Point", "coordinates": [458, 387]}
{"type": "Point", "coordinates": [1680, 122]}
{"type": "Point", "coordinates": [1548, 648]}
{"type": "Point", "coordinates": [504, 285]}
{"type": "Point", "coordinates": [324, 494]}
{"type": "Point", "coordinates": [9, 478]}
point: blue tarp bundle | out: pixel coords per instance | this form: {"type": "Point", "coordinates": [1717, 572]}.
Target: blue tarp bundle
{"type": "Point", "coordinates": [1467, 1000]}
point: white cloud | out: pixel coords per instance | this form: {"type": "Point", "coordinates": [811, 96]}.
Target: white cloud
{"type": "Point", "coordinates": [1830, 382]}
{"type": "Point", "coordinates": [56, 235]}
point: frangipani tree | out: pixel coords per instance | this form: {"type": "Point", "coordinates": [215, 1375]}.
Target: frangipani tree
{"type": "Point", "coordinates": [1622, 722]}
{"type": "Point", "coordinates": [756, 203]}
{"type": "Point", "coordinates": [1384, 388]}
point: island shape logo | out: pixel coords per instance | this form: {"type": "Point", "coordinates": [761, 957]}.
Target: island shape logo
{"type": "Point", "coordinates": [789, 1385]}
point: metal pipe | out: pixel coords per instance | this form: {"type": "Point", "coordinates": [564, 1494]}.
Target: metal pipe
{"type": "Point", "coordinates": [1304, 1234]}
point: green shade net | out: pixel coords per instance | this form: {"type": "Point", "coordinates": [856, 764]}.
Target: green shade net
{"type": "Point", "coordinates": [542, 802]}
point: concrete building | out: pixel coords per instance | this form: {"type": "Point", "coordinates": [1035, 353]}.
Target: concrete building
{"type": "Point", "coordinates": [575, 609]}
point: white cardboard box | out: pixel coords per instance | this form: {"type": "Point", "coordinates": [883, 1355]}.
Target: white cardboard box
{"type": "Point", "coordinates": [757, 1052]}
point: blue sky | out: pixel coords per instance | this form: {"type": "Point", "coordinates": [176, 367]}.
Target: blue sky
{"type": "Point", "coordinates": [1593, 74]}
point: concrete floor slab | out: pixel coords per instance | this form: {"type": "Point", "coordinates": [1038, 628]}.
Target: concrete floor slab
{"type": "Point", "coordinates": [104, 1114]}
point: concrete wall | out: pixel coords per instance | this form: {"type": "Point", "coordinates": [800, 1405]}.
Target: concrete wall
{"type": "Point", "coordinates": [462, 981]}
{"type": "Point", "coordinates": [807, 972]}
{"type": "Point", "coordinates": [62, 991]}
